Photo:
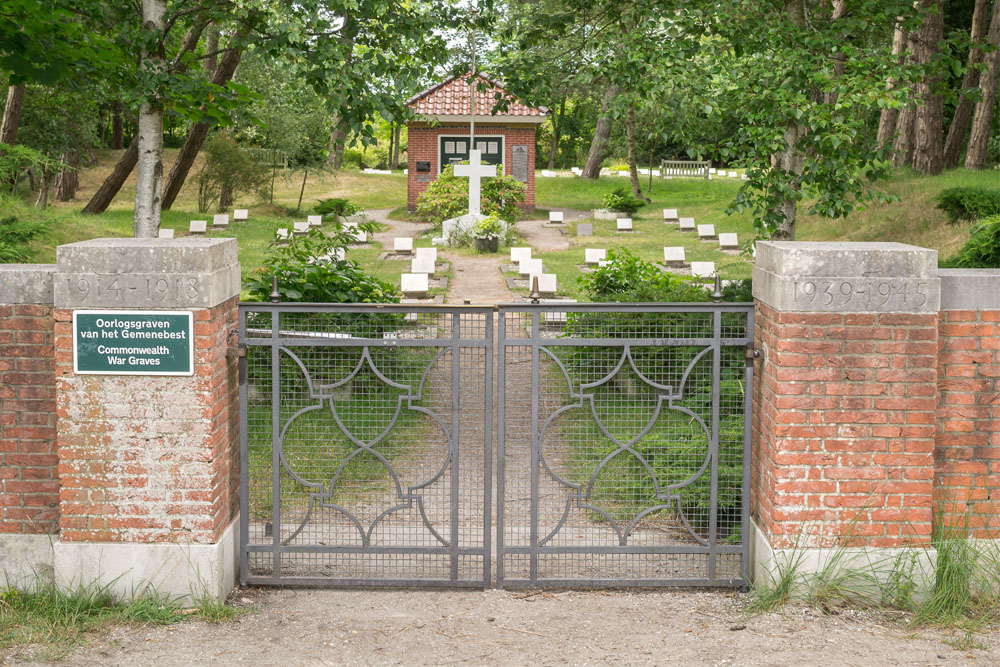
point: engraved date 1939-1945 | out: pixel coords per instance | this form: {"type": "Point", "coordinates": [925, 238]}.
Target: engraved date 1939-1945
{"type": "Point", "coordinates": [868, 292]}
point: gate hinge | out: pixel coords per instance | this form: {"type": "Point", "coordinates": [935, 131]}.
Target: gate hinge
{"type": "Point", "coordinates": [238, 351]}
{"type": "Point", "coordinates": [751, 352]}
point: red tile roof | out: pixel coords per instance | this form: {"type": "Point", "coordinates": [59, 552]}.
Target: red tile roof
{"type": "Point", "coordinates": [451, 98]}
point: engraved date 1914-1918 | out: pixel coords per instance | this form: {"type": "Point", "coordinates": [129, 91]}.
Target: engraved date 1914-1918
{"type": "Point", "coordinates": [868, 292]}
{"type": "Point", "coordinates": [117, 287]}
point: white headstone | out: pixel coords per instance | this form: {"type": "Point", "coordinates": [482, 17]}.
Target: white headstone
{"type": "Point", "coordinates": [414, 283]}
{"type": "Point", "coordinates": [546, 282]}
{"type": "Point", "coordinates": [475, 171]}
{"type": "Point", "coordinates": [686, 224]}
{"type": "Point", "coordinates": [729, 241]}
{"type": "Point", "coordinates": [734, 174]}
{"type": "Point", "coordinates": [526, 267]}
{"type": "Point", "coordinates": [670, 214]}
{"type": "Point", "coordinates": [422, 264]}
{"type": "Point", "coordinates": [745, 177]}
{"type": "Point", "coordinates": [282, 234]}
{"type": "Point", "coordinates": [548, 174]}
{"type": "Point", "coordinates": [315, 220]}
{"type": "Point", "coordinates": [706, 231]}
{"type": "Point", "coordinates": [403, 244]}
{"type": "Point", "coordinates": [594, 255]}
{"type": "Point", "coordinates": [221, 220]}
{"type": "Point", "coordinates": [166, 234]}
{"type": "Point", "coordinates": [357, 235]}
{"type": "Point", "coordinates": [519, 254]}
{"type": "Point", "coordinates": [624, 224]}
{"type": "Point", "coordinates": [198, 227]}
{"type": "Point", "coordinates": [711, 170]}
{"type": "Point", "coordinates": [555, 216]}
{"type": "Point", "coordinates": [428, 253]}
{"type": "Point", "coordinates": [241, 215]}
{"type": "Point", "coordinates": [702, 269]}
{"type": "Point", "coordinates": [673, 255]}
{"type": "Point", "coordinates": [300, 228]}
{"type": "Point", "coordinates": [577, 171]}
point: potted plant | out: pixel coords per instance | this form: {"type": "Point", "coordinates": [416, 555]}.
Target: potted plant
{"type": "Point", "coordinates": [487, 233]}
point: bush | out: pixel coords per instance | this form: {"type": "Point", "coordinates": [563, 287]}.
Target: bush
{"type": "Point", "coordinates": [14, 237]}
{"type": "Point", "coordinates": [622, 200]}
{"type": "Point", "coordinates": [228, 171]}
{"type": "Point", "coordinates": [982, 250]}
{"type": "Point", "coordinates": [627, 278]}
{"type": "Point", "coordinates": [448, 197]}
{"type": "Point", "coordinates": [969, 203]}
{"type": "Point", "coordinates": [336, 206]}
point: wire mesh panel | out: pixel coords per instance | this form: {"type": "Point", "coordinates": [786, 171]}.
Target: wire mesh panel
{"type": "Point", "coordinates": [623, 444]}
{"type": "Point", "coordinates": [366, 444]}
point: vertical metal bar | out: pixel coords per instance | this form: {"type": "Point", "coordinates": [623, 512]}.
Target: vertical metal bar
{"type": "Point", "coordinates": [244, 454]}
{"type": "Point", "coordinates": [456, 378]}
{"type": "Point", "coordinates": [488, 449]}
{"type": "Point", "coordinates": [747, 436]}
{"type": "Point", "coordinates": [713, 443]}
{"type": "Point", "coordinates": [534, 444]}
{"type": "Point", "coordinates": [276, 446]}
{"type": "Point", "coordinates": [501, 398]}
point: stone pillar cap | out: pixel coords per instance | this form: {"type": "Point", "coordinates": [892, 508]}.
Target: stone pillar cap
{"type": "Point", "coordinates": [26, 283]}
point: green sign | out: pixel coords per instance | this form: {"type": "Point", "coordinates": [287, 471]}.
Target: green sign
{"type": "Point", "coordinates": [133, 342]}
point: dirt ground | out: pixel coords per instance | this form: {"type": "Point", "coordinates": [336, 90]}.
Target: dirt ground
{"type": "Point", "coordinates": [676, 627]}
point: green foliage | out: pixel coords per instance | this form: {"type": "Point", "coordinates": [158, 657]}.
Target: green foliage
{"type": "Point", "coordinates": [307, 272]}
{"type": "Point", "coordinates": [14, 237]}
{"type": "Point", "coordinates": [227, 172]}
{"type": "Point", "coordinates": [490, 228]}
{"type": "Point", "coordinates": [448, 197]}
{"type": "Point", "coordinates": [982, 250]}
{"type": "Point", "coordinates": [738, 291]}
{"type": "Point", "coordinates": [965, 203]}
{"type": "Point", "coordinates": [622, 200]}
{"type": "Point", "coordinates": [336, 206]}
{"type": "Point", "coordinates": [16, 159]}
{"type": "Point", "coordinates": [625, 277]}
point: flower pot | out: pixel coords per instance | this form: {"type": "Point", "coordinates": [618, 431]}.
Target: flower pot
{"type": "Point", "coordinates": [487, 245]}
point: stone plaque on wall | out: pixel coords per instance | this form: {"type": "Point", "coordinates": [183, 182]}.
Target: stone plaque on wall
{"type": "Point", "coordinates": [519, 163]}
{"type": "Point", "coordinates": [423, 178]}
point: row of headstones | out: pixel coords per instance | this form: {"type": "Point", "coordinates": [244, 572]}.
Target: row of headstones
{"type": "Point", "coordinates": [220, 221]}
{"type": "Point", "coordinates": [672, 258]}
{"type": "Point", "coordinates": [532, 269]}
{"type": "Point", "coordinates": [416, 283]}
{"type": "Point", "coordinates": [314, 221]}
{"type": "Point", "coordinates": [723, 173]}
{"type": "Point", "coordinates": [727, 240]}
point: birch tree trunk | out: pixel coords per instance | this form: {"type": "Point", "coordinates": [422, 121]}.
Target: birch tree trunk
{"type": "Point", "coordinates": [149, 173]}
{"type": "Point", "coordinates": [975, 157]}
{"type": "Point", "coordinates": [928, 141]}
{"type": "Point", "coordinates": [12, 115]}
{"type": "Point", "coordinates": [959, 129]}
{"type": "Point", "coordinates": [397, 133]}
{"type": "Point", "coordinates": [592, 168]}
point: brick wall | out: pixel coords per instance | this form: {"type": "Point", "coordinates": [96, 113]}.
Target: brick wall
{"type": "Point", "coordinates": [967, 454]}
{"type": "Point", "coordinates": [843, 427]}
{"type": "Point", "coordinates": [423, 146]}
{"type": "Point", "coordinates": [172, 479]}
{"type": "Point", "coordinates": [29, 482]}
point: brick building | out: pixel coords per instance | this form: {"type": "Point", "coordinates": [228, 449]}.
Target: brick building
{"type": "Point", "coordinates": [440, 134]}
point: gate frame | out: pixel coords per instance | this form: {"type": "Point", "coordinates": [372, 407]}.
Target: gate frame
{"type": "Point", "coordinates": [535, 343]}
{"type": "Point", "coordinates": [455, 343]}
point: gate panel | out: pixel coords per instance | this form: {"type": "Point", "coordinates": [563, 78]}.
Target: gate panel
{"type": "Point", "coordinates": [365, 444]}
{"type": "Point", "coordinates": [623, 444]}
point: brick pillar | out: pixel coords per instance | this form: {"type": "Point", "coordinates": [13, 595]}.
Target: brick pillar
{"type": "Point", "coordinates": [29, 482]}
{"type": "Point", "coordinates": [967, 470]}
{"type": "Point", "coordinates": [148, 463]}
{"type": "Point", "coordinates": [844, 411]}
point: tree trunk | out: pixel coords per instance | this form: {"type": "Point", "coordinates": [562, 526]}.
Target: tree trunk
{"type": "Point", "coordinates": [117, 127]}
{"type": "Point", "coordinates": [887, 119]}
{"type": "Point", "coordinates": [592, 168]}
{"type": "Point", "coordinates": [67, 181]}
{"type": "Point", "coordinates": [902, 147]}
{"type": "Point", "coordinates": [12, 115]}
{"type": "Point", "coordinates": [211, 47]}
{"type": "Point", "coordinates": [196, 134]}
{"type": "Point", "coordinates": [149, 170]}
{"type": "Point", "coordinates": [959, 129]}
{"type": "Point", "coordinates": [975, 157]}
{"type": "Point", "coordinates": [338, 139]}
{"type": "Point", "coordinates": [928, 142]}
{"type": "Point", "coordinates": [115, 180]}
{"type": "Point", "coordinates": [43, 194]}
{"type": "Point", "coordinates": [302, 191]}
{"type": "Point", "coordinates": [633, 168]}
{"type": "Point", "coordinates": [790, 160]}
{"type": "Point", "coordinates": [556, 128]}
{"type": "Point", "coordinates": [838, 9]}
{"type": "Point", "coordinates": [397, 134]}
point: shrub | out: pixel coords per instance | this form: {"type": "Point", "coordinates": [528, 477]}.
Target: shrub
{"type": "Point", "coordinates": [625, 277]}
{"type": "Point", "coordinates": [448, 197]}
{"type": "Point", "coordinates": [622, 200]}
{"type": "Point", "coordinates": [964, 203]}
{"type": "Point", "coordinates": [227, 171]}
{"type": "Point", "coordinates": [14, 237]}
{"type": "Point", "coordinates": [982, 250]}
{"type": "Point", "coordinates": [336, 206]}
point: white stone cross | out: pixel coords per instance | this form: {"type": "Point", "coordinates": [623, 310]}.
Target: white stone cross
{"type": "Point", "coordinates": [475, 171]}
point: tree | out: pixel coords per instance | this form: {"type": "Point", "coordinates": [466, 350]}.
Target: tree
{"type": "Point", "coordinates": [12, 114]}
{"type": "Point", "coordinates": [928, 143]}
{"type": "Point", "coordinates": [959, 128]}
{"type": "Point", "coordinates": [982, 119]}
{"type": "Point", "coordinates": [890, 113]}
{"type": "Point", "coordinates": [149, 145]}
{"type": "Point", "coordinates": [599, 144]}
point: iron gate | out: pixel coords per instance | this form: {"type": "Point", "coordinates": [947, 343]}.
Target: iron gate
{"type": "Point", "coordinates": [365, 452]}
{"type": "Point", "coordinates": [622, 444]}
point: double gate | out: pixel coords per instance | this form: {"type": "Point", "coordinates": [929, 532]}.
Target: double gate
{"type": "Point", "coordinates": [621, 444]}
